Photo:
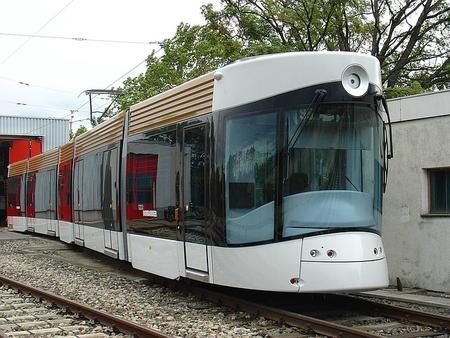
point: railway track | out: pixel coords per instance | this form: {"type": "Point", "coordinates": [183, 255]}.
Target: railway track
{"type": "Point", "coordinates": [26, 311]}
{"type": "Point", "coordinates": [355, 318]}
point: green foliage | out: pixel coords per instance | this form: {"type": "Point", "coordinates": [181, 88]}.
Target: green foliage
{"type": "Point", "coordinates": [396, 91]}
{"type": "Point", "coordinates": [81, 129]}
{"type": "Point", "coordinates": [193, 51]}
{"type": "Point", "coordinates": [410, 39]}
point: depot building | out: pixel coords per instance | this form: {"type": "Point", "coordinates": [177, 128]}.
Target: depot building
{"type": "Point", "coordinates": [416, 206]}
{"type": "Point", "coordinates": [22, 137]}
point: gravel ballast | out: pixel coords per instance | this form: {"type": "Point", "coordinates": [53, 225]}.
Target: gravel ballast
{"type": "Point", "coordinates": [47, 264]}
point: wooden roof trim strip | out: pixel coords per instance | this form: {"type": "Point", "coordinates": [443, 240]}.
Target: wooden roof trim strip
{"type": "Point", "coordinates": [184, 96]}
{"type": "Point", "coordinates": [105, 131]}
{"type": "Point", "coordinates": [174, 91]}
{"type": "Point", "coordinates": [18, 168]}
{"type": "Point", "coordinates": [97, 143]}
{"type": "Point", "coordinates": [66, 153]}
{"type": "Point", "coordinates": [200, 97]}
{"type": "Point", "coordinates": [166, 120]}
{"type": "Point", "coordinates": [102, 125]}
{"type": "Point", "coordinates": [102, 131]}
{"type": "Point", "coordinates": [112, 135]}
{"type": "Point", "coordinates": [44, 160]}
{"type": "Point", "coordinates": [109, 132]}
{"type": "Point", "coordinates": [181, 109]}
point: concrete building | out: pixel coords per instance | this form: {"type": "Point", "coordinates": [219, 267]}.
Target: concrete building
{"type": "Point", "coordinates": [21, 137]}
{"type": "Point", "coordinates": [416, 230]}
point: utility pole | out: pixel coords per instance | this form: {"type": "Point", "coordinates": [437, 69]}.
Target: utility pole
{"type": "Point", "coordinates": [111, 92]}
{"type": "Point", "coordinates": [72, 112]}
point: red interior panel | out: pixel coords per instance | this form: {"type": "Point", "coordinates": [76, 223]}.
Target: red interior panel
{"type": "Point", "coordinates": [141, 184]}
{"type": "Point", "coordinates": [21, 148]}
{"type": "Point", "coordinates": [64, 191]}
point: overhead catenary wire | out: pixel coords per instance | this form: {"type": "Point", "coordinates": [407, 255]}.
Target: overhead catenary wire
{"type": "Point", "coordinates": [24, 104]}
{"type": "Point", "coordinates": [9, 56]}
{"type": "Point", "coordinates": [37, 35]}
{"type": "Point", "coordinates": [87, 101]}
{"type": "Point", "coordinates": [27, 84]}
{"type": "Point", "coordinates": [80, 39]}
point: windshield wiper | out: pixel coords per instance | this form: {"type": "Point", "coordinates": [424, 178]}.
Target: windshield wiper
{"type": "Point", "coordinates": [312, 109]}
{"type": "Point", "coordinates": [387, 145]}
{"type": "Point", "coordinates": [386, 109]}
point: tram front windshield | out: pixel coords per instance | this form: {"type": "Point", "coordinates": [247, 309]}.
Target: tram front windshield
{"type": "Point", "coordinates": [331, 172]}
{"type": "Point", "coordinates": [334, 172]}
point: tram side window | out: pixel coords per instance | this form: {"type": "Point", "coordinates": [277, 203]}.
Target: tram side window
{"type": "Point", "coordinates": [89, 182]}
{"type": "Point", "coordinates": [64, 191]}
{"type": "Point", "coordinates": [152, 185]}
{"type": "Point", "coordinates": [31, 184]}
{"type": "Point", "coordinates": [12, 187]}
{"type": "Point", "coordinates": [250, 149]}
{"type": "Point", "coordinates": [13, 194]}
{"type": "Point", "coordinates": [110, 189]}
{"type": "Point", "coordinates": [45, 206]}
{"type": "Point", "coordinates": [77, 190]}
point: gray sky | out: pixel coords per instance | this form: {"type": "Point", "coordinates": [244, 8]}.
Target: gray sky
{"type": "Point", "coordinates": [58, 70]}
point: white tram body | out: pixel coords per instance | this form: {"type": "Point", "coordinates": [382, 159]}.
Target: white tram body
{"type": "Point", "coordinates": [266, 174]}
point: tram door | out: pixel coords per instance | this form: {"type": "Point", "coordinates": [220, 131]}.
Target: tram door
{"type": "Point", "coordinates": [78, 229]}
{"type": "Point", "coordinates": [195, 172]}
{"type": "Point", "coordinates": [110, 197]}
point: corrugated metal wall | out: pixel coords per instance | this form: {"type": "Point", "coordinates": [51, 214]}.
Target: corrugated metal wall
{"type": "Point", "coordinates": [54, 132]}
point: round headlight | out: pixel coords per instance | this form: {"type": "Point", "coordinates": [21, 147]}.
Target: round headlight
{"type": "Point", "coordinates": [314, 253]}
{"type": "Point", "coordinates": [355, 80]}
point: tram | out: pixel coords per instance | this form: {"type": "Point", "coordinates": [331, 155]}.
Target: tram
{"type": "Point", "coordinates": [266, 174]}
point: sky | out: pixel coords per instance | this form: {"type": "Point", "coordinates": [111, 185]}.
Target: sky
{"type": "Point", "coordinates": [46, 77]}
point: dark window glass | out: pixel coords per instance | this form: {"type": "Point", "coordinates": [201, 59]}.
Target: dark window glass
{"type": "Point", "coordinates": [13, 188]}
{"type": "Point", "coordinates": [144, 196]}
{"type": "Point", "coordinates": [152, 185]}
{"type": "Point", "coordinates": [30, 207]}
{"type": "Point", "coordinates": [64, 191]}
{"type": "Point", "coordinates": [130, 188]}
{"type": "Point", "coordinates": [243, 195]}
{"type": "Point", "coordinates": [250, 147]}
{"type": "Point", "coordinates": [109, 192]}
{"type": "Point", "coordinates": [78, 191]}
{"type": "Point", "coordinates": [144, 181]}
{"type": "Point", "coordinates": [439, 191]}
{"type": "Point", "coordinates": [194, 165]}
{"type": "Point", "coordinates": [45, 194]}
{"type": "Point", "coordinates": [88, 190]}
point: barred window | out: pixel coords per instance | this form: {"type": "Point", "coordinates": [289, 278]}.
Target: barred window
{"type": "Point", "coordinates": [439, 191]}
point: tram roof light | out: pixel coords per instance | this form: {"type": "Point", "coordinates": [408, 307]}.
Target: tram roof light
{"type": "Point", "coordinates": [355, 80]}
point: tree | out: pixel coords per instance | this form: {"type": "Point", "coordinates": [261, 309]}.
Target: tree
{"type": "Point", "coordinates": [397, 91]}
{"type": "Point", "coordinates": [410, 38]}
{"type": "Point", "coordinates": [193, 51]}
{"type": "Point", "coordinates": [81, 129]}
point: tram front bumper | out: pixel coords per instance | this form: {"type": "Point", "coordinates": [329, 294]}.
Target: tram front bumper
{"type": "Point", "coordinates": [346, 261]}
{"type": "Point", "coordinates": [343, 276]}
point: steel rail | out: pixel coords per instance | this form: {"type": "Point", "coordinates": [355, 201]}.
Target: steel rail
{"type": "Point", "coordinates": [399, 312]}
{"type": "Point", "coordinates": [123, 325]}
{"type": "Point", "coordinates": [318, 326]}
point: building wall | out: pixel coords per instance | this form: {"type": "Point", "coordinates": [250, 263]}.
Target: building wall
{"type": "Point", "coordinates": [417, 244]}
{"type": "Point", "coordinates": [54, 132]}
